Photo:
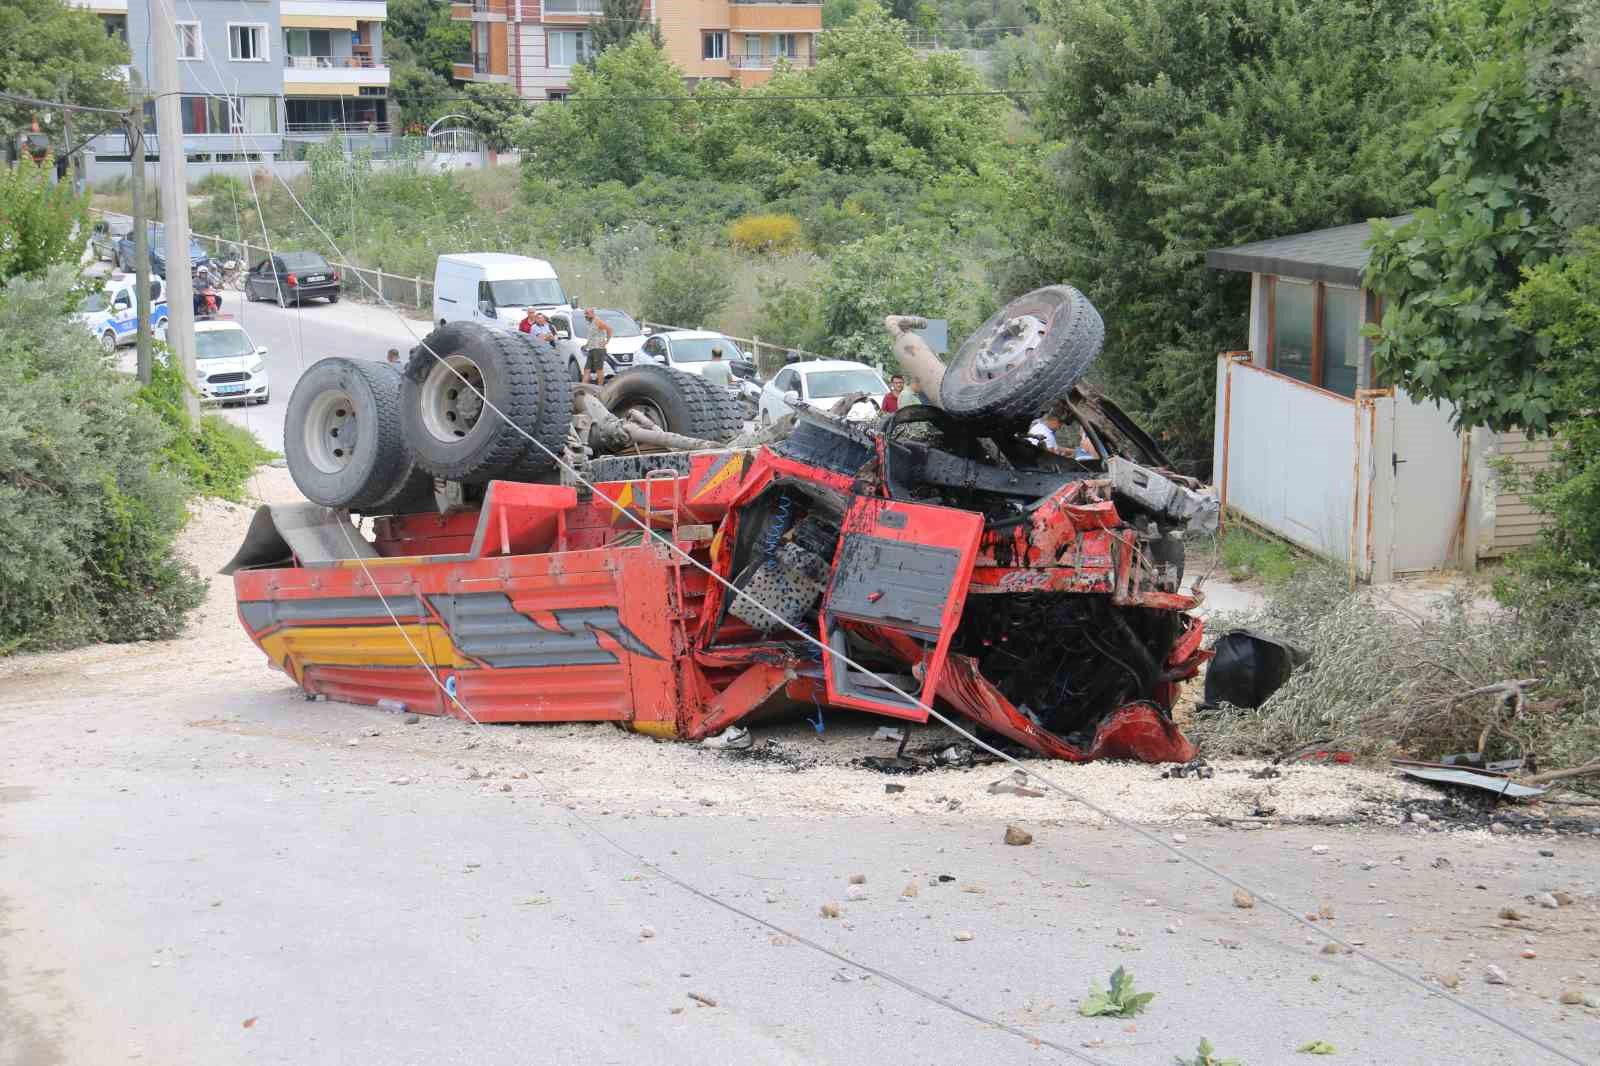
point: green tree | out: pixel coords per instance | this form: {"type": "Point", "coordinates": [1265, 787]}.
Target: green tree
{"type": "Point", "coordinates": [1446, 276]}
{"type": "Point", "coordinates": [429, 37]}
{"type": "Point", "coordinates": [686, 287]}
{"type": "Point", "coordinates": [626, 118]}
{"type": "Point", "coordinates": [51, 50]}
{"type": "Point", "coordinates": [42, 222]}
{"type": "Point", "coordinates": [619, 21]}
{"type": "Point", "coordinates": [887, 115]}
{"type": "Point", "coordinates": [420, 94]}
{"type": "Point", "coordinates": [1185, 125]}
{"type": "Point", "coordinates": [493, 111]}
{"type": "Point", "coordinates": [897, 272]}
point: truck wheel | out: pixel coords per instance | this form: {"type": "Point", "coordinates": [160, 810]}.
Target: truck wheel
{"type": "Point", "coordinates": [675, 401]}
{"type": "Point", "coordinates": [457, 435]}
{"type": "Point", "coordinates": [341, 434]}
{"type": "Point", "coordinates": [554, 418]}
{"type": "Point", "coordinates": [1028, 355]}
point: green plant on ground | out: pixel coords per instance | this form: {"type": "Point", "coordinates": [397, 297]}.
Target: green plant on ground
{"type": "Point", "coordinates": [686, 287]}
{"type": "Point", "coordinates": [1206, 1055]}
{"type": "Point", "coordinates": [1118, 1001]}
{"type": "Point", "coordinates": [215, 458]}
{"type": "Point", "coordinates": [1382, 682]}
{"type": "Point", "coordinates": [1248, 555]}
{"type": "Point", "coordinates": [1317, 1047]}
{"type": "Point", "coordinates": [88, 508]}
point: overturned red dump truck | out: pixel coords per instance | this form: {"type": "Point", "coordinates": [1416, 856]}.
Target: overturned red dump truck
{"type": "Point", "coordinates": [1032, 592]}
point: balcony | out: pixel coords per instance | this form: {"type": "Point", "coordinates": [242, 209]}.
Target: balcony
{"type": "Point", "coordinates": [329, 62]}
{"type": "Point", "coordinates": [760, 61]}
{"type": "Point", "coordinates": [775, 17]}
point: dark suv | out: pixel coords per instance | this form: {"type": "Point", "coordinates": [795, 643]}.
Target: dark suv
{"type": "Point", "coordinates": [292, 278]}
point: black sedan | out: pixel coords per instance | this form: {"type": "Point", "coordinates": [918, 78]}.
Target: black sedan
{"type": "Point", "coordinates": [292, 278]}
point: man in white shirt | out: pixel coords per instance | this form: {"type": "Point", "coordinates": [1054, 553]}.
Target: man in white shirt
{"type": "Point", "coordinates": [1043, 432]}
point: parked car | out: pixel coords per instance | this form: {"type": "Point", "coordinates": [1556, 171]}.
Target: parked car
{"type": "Point", "coordinates": [292, 278]}
{"type": "Point", "coordinates": [112, 314]}
{"type": "Point", "coordinates": [124, 255]}
{"type": "Point", "coordinates": [229, 367]}
{"type": "Point", "coordinates": [103, 239]}
{"type": "Point", "coordinates": [689, 350]}
{"type": "Point", "coordinates": [627, 336]}
{"type": "Point", "coordinates": [817, 383]}
{"type": "Point", "coordinates": [494, 287]}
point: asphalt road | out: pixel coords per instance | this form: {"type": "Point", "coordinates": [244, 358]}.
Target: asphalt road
{"type": "Point", "coordinates": [193, 877]}
{"type": "Point", "coordinates": [296, 337]}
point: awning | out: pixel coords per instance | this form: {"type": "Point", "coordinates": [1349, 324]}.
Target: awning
{"type": "Point", "coordinates": [317, 22]}
{"type": "Point", "coordinates": [322, 88]}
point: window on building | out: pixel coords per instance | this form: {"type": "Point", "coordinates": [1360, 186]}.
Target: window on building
{"type": "Point", "coordinates": [1314, 333]}
{"type": "Point", "coordinates": [714, 45]}
{"type": "Point", "coordinates": [783, 44]}
{"type": "Point", "coordinates": [220, 115]}
{"type": "Point", "coordinates": [307, 44]}
{"type": "Point", "coordinates": [480, 47]}
{"type": "Point", "coordinates": [569, 48]}
{"type": "Point", "coordinates": [117, 26]}
{"type": "Point", "coordinates": [247, 42]}
{"type": "Point", "coordinates": [189, 42]}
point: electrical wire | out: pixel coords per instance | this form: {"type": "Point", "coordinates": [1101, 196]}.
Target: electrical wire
{"type": "Point", "coordinates": [1137, 830]}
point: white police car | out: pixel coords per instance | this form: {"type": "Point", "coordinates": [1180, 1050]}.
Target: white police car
{"type": "Point", "coordinates": [112, 314]}
{"type": "Point", "coordinates": [229, 368]}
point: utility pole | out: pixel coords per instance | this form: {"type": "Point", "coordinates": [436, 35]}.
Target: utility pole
{"type": "Point", "coordinates": [141, 225]}
{"type": "Point", "coordinates": [66, 138]}
{"type": "Point", "coordinates": [174, 194]}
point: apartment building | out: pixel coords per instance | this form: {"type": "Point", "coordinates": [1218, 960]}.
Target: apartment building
{"type": "Point", "coordinates": [302, 69]}
{"type": "Point", "coordinates": [534, 44]}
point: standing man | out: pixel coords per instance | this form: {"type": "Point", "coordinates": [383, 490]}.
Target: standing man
{"type": "Point", "coordinates": [599, 336]}
{"type": "Point", "coordinates": [891, 403]}
{"type": "Point", "coordinates": [717, 371]}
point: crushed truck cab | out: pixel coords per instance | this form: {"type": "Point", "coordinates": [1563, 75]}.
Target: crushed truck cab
{"type": "Point", "coordinates": [1036, 596]}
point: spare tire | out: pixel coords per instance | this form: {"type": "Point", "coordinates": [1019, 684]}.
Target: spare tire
{"type": "Point", "coordinates": [461, 379]}
{"type": "Point", "coordinates": [675, 401]}
{"type": "Point", "coordinates": [341, 434]}
{"type": "Point", "coordinates": [1026, 357]}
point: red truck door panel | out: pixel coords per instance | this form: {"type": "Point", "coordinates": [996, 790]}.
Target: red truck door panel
{"type": "Point", "coordinates": [901, 572]}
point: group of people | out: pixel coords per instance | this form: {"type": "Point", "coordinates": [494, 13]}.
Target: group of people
{"type": "Point", "coordinates": [537, 324]}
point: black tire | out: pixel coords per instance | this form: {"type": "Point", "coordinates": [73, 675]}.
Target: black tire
{"type": "Point", "coordinates": [993, 377]}
{"type": "Point", "coordinates": [249, 293]}
{"type": "Point", "coordinates": [555, 415]}
{"type": "Point", "coordinates": [678, 402]}
{"type": "Point", "coordinates": [336, 399]}
{"type": "Point", "coordinates": [452, 432]}
{"type": "Point", "coordinates": [334, 298]}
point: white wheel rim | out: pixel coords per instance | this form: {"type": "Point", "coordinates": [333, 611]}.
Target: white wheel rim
{"type": "Point", "coordinates": [331, 432]}
{"type": "Point", "coordinates": [108, 340]}
{"type": "Point", "coordinates": [450, 408]}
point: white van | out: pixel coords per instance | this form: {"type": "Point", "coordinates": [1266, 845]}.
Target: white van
{"type": "Point", "coordinates": [494, 287]}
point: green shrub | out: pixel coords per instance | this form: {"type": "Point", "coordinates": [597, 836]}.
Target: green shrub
{"type": "Point", "coordinates": [214, 460]}
{"type": "Point", "coordinates": [88, 509]}
{"type": "Point", "coordinates": [765, 233]}
{"type": "Point", "coordinates": [787, 315]}
{"type": "Point", "coordinates": [42, 221]}
{"type": "Point", "coordinates": [686, 287]}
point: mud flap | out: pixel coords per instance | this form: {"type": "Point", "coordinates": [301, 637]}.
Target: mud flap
{"type": "Point", "coordinates": [900, 576]}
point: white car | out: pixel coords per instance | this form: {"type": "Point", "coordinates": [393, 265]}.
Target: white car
{"type": "Point", "coordinates": [229, 367]}
{"type": "Point", "coordinates": [689, 350]}
{"type": "Point", "coordinates": [818, 383]}
{"type": "Point", "coordinates": [112, 314]}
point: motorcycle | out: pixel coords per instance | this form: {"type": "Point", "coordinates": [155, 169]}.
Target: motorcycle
{"type": "Point", "coordinates": [207, 300]}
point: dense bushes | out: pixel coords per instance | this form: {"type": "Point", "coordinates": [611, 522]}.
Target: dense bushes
{"type": "Point", "coordinates": [215, 459]}
{"type": "Point", "coordinates": [88, 509]}
{"type": "Point", "coordinates": [766, 233]}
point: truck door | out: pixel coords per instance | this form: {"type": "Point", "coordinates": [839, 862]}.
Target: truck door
{"type": "Point", "coordinates": [899, 579]}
